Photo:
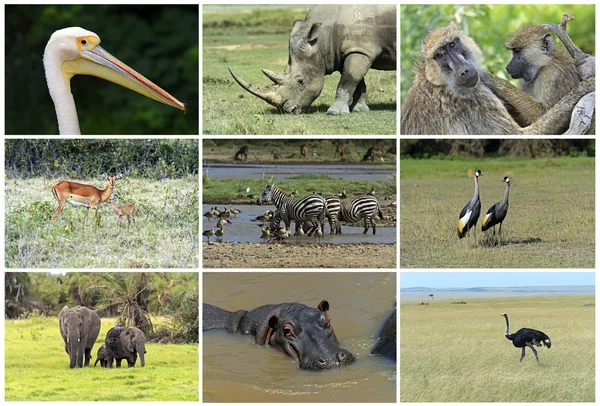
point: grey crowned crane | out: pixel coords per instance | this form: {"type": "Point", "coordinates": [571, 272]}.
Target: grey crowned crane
{"type": "Point", "coordinates": [470, 213]}
{"type": "Point", "coordinates": [527, 337]}
{"type": "Point", "coordinates": [497, 213]}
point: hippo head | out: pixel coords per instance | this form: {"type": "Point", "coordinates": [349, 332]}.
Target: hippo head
{"type": "Point", "coordinates": [302, 80]}
{"type": "Point", "coordinates": [306, 335]}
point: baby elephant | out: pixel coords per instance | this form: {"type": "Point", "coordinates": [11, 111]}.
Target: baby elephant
{"type": "Point", "coordinates": [125, 343]}
{"type": "Point", "coordinates": [102, 356]}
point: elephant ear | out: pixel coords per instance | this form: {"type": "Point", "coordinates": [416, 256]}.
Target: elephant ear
{"type": "Point", "coordinates": [129, 337]}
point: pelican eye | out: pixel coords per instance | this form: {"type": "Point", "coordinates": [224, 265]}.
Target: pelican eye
{"type": "Point", "coordinates": [83, 42]}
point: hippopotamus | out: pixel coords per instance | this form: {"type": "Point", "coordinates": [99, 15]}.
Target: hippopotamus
{"type": "Point", "coordinates": [350, 39]}
{"type": "Point", "coordinates": [302, 332]}
{"type": "Point", "coordinates": [386, 339]}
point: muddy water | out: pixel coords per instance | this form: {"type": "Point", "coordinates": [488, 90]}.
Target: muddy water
{"type": "Point", "coordinates": [283, 172]}
{"type": "Point", "coordinates": [243, 229]}
{"type": "Point", "coordinates": [235, 369]}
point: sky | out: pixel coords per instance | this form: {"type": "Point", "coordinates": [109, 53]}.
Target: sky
{"type": "Point", "coordinates": [494, 279]}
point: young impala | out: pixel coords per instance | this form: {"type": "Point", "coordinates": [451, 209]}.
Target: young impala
{"type": "Point", "coordinates": [79, 194]}
{"type": "Point", "coordinates": [123, 211]}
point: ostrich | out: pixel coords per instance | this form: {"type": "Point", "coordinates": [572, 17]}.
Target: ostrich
{"type": "Point", "coordinates": [470, 213]}
{"type": "Point", "coordinates": [527, 337]}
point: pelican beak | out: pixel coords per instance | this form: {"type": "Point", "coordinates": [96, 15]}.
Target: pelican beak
{"type": "Point", "coordinates": [93, 60]}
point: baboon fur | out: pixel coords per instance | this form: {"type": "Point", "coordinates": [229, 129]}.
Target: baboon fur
{"type": "Point", "coordinates": [437, 104]}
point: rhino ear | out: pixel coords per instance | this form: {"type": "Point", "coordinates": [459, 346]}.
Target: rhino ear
{"type": "Point", "coordinates": [313, 33]}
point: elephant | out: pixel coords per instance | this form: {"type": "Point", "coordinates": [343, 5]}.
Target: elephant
{"type": "Point", "coordinates": [125, 343]}
{"type": "Point", "coordinates": [79, 328]}
{"type": "Point", "coordinates": [102, 356]}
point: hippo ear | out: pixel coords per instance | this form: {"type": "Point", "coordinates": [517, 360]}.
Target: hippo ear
{"type": "Point", "coordinates": [263, 334]}
{"type": "Point", "coordinates": [313, 33]}
{"type": "Point", "coordinates": [323, 306]}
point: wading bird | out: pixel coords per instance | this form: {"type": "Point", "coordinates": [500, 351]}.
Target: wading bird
{"type": "Point", "coordinates": [209, 233]}
{"type": "Point", "coordinates": [527, 337]}
{"type": "Point", "coordinates": [470, 213]}
{"type": "Point", "coordinates": [76, 51]}
{"type": "Point", "coordinates": [497, 213]}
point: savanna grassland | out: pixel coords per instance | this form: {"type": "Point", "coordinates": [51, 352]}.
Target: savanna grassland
{"type": "Point", "coordinates": [250, 38]}
{"type": "Point", "coordinates": [36, 368]}
{"type": "Point", "coordinates": [550, 221]}
{"type": "Point", "coordinates": [458, 352]}
{"type": "Point", "coordinates": [165, 234]}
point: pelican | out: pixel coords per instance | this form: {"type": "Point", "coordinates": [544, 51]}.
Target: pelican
{"type": "Point", "coordinates": [76, 51]}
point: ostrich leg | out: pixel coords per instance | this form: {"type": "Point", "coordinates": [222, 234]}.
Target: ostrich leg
{"type": "Point", "coordinates": [534, 353]}
{"type": "Point", "coordinates": [522, 355]}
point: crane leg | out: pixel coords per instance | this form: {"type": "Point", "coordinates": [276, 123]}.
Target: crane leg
{"type": "Point", "coordinates": [522, 355]}
{"type": "Point", "coordinates": [500, 233]}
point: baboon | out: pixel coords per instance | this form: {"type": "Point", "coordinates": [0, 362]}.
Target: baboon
{"type": "Point", "coordinates": [276, 154]}
{"type": "Point", "coordinates": [339, 150]}
{"type": "Point", "coordinates": [547, 73]}
{"type": "Point", "coordinates": [242, 152]}
{"type": "Point", "coordinates": [448, 97]}
{"type": "Point", "coordinates": [303, 150]}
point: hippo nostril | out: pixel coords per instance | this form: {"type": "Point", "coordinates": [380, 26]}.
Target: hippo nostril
{"type": "Point", "coordinates": [341, 356]}
{"type": "Point", "coordinates": [322, 362]}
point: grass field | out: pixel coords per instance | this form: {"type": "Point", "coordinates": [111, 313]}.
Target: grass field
{"type": "Point", "coordinates": [458, 353]}
{"type": "Point", "coordinates": [246, 40]}
{"type": "Point", "coordinates": [166, 235]}
{"type": "Point", "coordinates": [550, 220]}
{"type": "Point", "coordinates": [37, 369]}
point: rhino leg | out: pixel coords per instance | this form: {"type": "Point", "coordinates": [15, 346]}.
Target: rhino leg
{"type": "Point", "coordinates": [356, 67]}
{"type": "Point", "coordinates": [359, 100]}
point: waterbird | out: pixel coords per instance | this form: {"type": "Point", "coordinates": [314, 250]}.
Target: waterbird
{"type": "Point", "coordinates": [234, 211]}
{"type": "Point", "coordinates": [76, 51]}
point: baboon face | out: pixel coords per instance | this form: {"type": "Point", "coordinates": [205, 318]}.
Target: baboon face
{"type": "Point", "coordinates": [532, 49]}
{"type": "Point", "coordinates": [453, 60]}
{"type": "Point", "coordinates": [450, 58]}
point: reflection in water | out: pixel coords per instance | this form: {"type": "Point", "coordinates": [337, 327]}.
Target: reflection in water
{"type": "Point", "coordinates": [242, 229]}
{"type": "Point", "coordinates": [236, 369]}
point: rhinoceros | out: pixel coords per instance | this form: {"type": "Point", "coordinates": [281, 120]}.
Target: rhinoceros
{"type": "Point", "coordinates": [349, 39]}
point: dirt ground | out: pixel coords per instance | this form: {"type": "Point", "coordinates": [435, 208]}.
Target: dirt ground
{"type": "Point", "coordinates": [262, 255]}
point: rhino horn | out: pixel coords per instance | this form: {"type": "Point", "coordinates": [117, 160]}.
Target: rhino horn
{"type": "Point", "coordinates": [276, 77]}
{"type": "Point", "coordinates": [272, 98]}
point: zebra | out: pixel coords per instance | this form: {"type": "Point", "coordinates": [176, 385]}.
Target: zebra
{"type": "Point", "coordinates": [334, 205]}
{"type": "Point", "coordinates": [310, 208]}
{"type": "Point", "coordinates": [362, 207]}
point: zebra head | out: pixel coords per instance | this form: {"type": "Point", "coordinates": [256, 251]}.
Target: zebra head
{"type": "Point", "coordinates": [267, 194]}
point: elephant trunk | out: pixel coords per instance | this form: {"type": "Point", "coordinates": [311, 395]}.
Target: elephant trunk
{"type": "Point", "coordinates": [72, 345]}
{"type": "Point", "coordinates": [274, 99]}
{"type": "Point", "coordinates": [142, 353]}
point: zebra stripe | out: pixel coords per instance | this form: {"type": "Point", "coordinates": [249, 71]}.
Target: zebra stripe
{"type": "Point", "coordinates": [362, 207]}
{"type": "Point", "coordinates": [311, 208]}
{"type": "Point", "coordinates": [334, 205]}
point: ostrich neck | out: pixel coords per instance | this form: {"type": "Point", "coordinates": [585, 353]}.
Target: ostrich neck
{"type": "Point", "coordinates": [506, 332]}
{"type": "Point", "coordinates": [64, 104]}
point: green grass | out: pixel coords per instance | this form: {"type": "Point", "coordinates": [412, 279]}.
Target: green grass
{"type": "Point", "coordinates": [37, 369]}
{"type": "Point", "coordinates": [226, 191]}
{"type": "Point", "coordinates": [248, 41]}
{"type": "Point", "coordinates": [166, 235]}
{"type": "Point", "coordinates": [550, 220]}
{"type": "Point", "coordinates": [458, 353]}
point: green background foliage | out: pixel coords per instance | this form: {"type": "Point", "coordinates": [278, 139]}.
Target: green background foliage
{"type": "Point", "coordinates": [81, 158]}
{"type": "Point", "coordinates": [160, 42]}
{"type": "Point", "coordinates": [490, 26]}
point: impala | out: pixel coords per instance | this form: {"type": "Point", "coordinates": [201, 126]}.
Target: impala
{"type": "Point", "coordinates": [123, 211]}
{"type": "Point", "coordinates": [79, 194]}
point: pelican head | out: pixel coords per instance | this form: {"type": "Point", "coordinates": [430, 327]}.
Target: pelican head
{"type": "Point", "coordinates": [77, 51]}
